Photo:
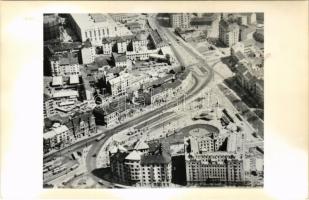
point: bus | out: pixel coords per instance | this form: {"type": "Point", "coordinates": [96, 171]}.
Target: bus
{"type": "Point", "coordinates": [74, 167]}
{"type": "Point", "coordinates": [78, 174]}
{"type": "Point", "coordinates": [100, 137]}
{"type": "Point", "coordinates": [66, 181]}
{"type": "Point", "coordinates": [59, 169]}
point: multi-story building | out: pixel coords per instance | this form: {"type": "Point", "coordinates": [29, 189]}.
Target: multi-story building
{"type": "Point", "coordinates": [65, 130]}
{"type": "Point", "coordinates": [65, 95]}
{"type": "Point", "coordinates": [156, 40]}
{"type": "Point", "coordinates": [119, 85]}
{"type": "Point", "coordinates": [51, 26]}
{"type": "Point", "coordinates": [123, 17]}
{"type": "Point", "coordinates": [82, 124]}
{"type": "Point", "coordinates": [107, 46]}
{"type": "Point", "coordinates": [246, 33]}
{"type": "Point", "coordinates": [180, 20]}
{"type": "Point", "coordinates": [64, 65]}
{"type": "Point", "coordinates": [207, 22]}
{"type": "Point", "coordinates": [242, 20]}
{"type": "Point", "coordinates": [95, 27]}
{"type": "Point", "coordinates": [251, 17]}
{"type": "Point", "coordinates": [147, 165]}
{"type": "Point", "coordinates": [48, 107]}
{"type": "Point", "coordinates": [120, 60]}
{"type": "Point", "coordinates": [88, 54]}
{"type": "Point", "coordinates": [58, 137]}
{"type": "Point", "coordinates": [239, 46]}
{"type": "Point", "coordinates": [228, 33]}
{"type": "Point", "coordinates": [203, 168]}
{"type": "Point", "coordinates": [139, 43]}
{"type": "Point", "coordinates": [211, 143]}
{"type": "Point", "coordinates": [121, 45]}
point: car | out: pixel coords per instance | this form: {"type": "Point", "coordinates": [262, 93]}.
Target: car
{"type": "Point", "coordinates": [94, 155]}
{"type": "Point", "coordinates": [100, 182]}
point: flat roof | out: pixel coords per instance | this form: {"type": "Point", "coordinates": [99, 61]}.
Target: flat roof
{"type": "Point", "coordinates": [74, 79]}
{"type": "Point", "coordinates": [57, 80]}
{"type": "Point", "coordinates": [55, 132]}
{"type": "Point", "coordinates": [86, 21]}
{"type": "Point", "coordinates": [65, 93]}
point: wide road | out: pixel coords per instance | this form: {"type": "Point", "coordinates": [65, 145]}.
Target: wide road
{"type": "Point", "coordinates": [199, 84]}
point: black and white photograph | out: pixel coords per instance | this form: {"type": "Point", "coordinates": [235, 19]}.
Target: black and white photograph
{"type": "Point", "coordinates": [153, 100]}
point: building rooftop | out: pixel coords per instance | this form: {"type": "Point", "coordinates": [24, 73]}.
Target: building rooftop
{"type": "Point", "coordinates": [61, 47]}
{"type": "Point", "coordinates": [141, 36]}
{"type": "Point", "coordinates": [119, 57]}
{"type": "Point", "coordinates": [57, 80]}
{"type": "Point", "coordinates": [134, 155]}
{"type": "Point", "coordinates": [74, 79]}
{"type": "Point", "coordinates": [228, 26]}
{"type": "Point", "coordinates": [140, 145]}
{"type": "Point", "coordinates": [158, 158]}
{"type": "Point", "coordinates": [239, 55]}
{"type": "Point", "coordinates": [249, 42]}
{"type": "Point", "coordinates": [55, 131]}
{"type": "Point", "coordinates": [66, 59]}
{"type": "Point", "coordinates": [202, 21]}
{"type": "Point", "coordinates": [93, 20]}
{"type": "Point", "coordinates": [156, 37]}
{"type": "Point", "coordinates": [102, 60]}
{"type": "Point", "coordinates": [119, 156]}
{"type": "Point", "coordinates": [65, 93]}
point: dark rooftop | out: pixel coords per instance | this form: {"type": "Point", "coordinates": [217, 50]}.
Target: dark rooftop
{"type": "Point", "coordinates": [159, 153]}
{"type": "Point", "coordinates": [119, 156]}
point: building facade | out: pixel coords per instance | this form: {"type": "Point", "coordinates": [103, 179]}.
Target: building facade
{"type": "Point", "coordinates": [64, 65]}
{"type": "Point", "coordinates": [95, 27]}
{"type": "Point", "coordinates": [228, 33]}
{"type": "Point", "coordinates": [88, 55]}
{"type": "Point", "coordinates": [207, 168]}
{"type": "Point", "coordinates": [180, 20]}
{"type": "Point", "coordinates": [146, 165]}
{"type": "Point", "coordinates": [58, 137]}
{"type": "Point", "coordinates": [51, 27]}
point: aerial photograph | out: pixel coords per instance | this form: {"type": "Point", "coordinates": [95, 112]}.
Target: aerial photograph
{"type": "Point", "coordinates": [153, 100]}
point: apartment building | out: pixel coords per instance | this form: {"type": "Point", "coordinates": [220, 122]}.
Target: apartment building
{"type": "Point", "coordinates": [107, 46]}
{"type": "Point", "coordinates": [228, 33]}
{"type": "Point", "coordinates": [180, 20]}
{"type": "Point", "coordinates": [88, 54]}
{"type": "Point", "coordinates": [58, 137]}
{"type": "Point", "coordinates": [95, 27]}
{"type": "Point", "coordinates": [139, 43]}
{"type": "Point", "coordinates": [217, 167]}
{"type": "Point", "coordinates": [146, 165]}
{"type": "Point", "coordinates": [64, 65]}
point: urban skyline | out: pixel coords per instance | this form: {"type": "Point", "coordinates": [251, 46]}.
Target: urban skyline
{"type": "Point", "coordinates": [153, 100]}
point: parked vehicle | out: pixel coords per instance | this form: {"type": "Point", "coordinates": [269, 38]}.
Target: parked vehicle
{"type": "Point", "coordinates": [100, 137]}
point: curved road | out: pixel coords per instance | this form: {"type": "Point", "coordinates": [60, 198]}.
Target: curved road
{"type": "Point", "coordinates": [200, 83]}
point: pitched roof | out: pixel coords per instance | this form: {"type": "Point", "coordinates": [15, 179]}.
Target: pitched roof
{"type": "Point", "coordinates": [134, 155]}
{"type": "Point", "coordinates": [120, 58]}
{"type": "Point", "coordinates": [141, 144]}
